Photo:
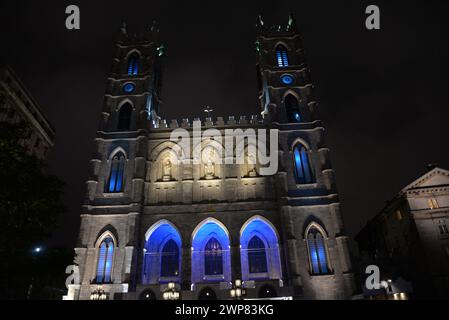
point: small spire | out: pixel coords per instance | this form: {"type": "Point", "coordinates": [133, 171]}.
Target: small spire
{"type": "Point", "coordinates": [123, 28]}
{"type": "Point", "coordinates": [291, 25]}
{"type": "Point", "coordinates": [208, 110]}
{"type": "Point", "coordinates": [155, 26]}
{"type": "Point", "coordinates": [259, 21]}
{"type": "Point", "coordinates": [257, 46]}
{"type": "Point", "coordinates": [161, 50]}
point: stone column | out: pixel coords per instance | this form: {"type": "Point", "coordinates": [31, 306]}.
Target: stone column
{"type": "Point", "coordinates": [186, 266]}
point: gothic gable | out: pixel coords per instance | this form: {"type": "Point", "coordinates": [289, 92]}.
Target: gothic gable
{"type": "Point", "coordinates": [435, 177]}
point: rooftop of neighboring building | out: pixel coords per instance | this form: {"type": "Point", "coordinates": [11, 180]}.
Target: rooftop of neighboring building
{"type": "Point", "coordinates": [16, 90]}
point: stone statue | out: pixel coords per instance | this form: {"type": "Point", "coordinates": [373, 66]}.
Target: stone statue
{"type": "Point", "coordinates": [167, 171]}
{"type": "Point", "coordinates": [251, 165]}
{"type": "Point", "coordinates": [209, 167]}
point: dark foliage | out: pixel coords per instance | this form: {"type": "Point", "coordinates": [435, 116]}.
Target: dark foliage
{"type": "Point", "coordinates": [29, 209]}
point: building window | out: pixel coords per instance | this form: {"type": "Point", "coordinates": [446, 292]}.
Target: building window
{"type": "Point", "coordinates": [433, 204]}
{"type": "Point", "coordinates": [303, 170]}
{"type": "Point", "coordinates": [292, 108]}
{"type": "Point", "coordinates": [117, 173]}
{"type": "Point", "coordinates": [443, 227]}
{"type": "Point", "coordinates": [170, 259]}
{"type": "Point", "coordinates": [281, 56]}
{"type": "Point", "coordinates": [124, 117]}
{"type": "Point", "coordinates": [213, 258]}
{"type": "Point", "coordinates": [398, 215]}
{"type": "Point", "coordinates": [317, 252]}
{"type": "Point", "coordinates": [105, 259]}
{"type": "Point", "coordinates": [133, 64]}
{"type": "Point", "coordinates": [257, 257]}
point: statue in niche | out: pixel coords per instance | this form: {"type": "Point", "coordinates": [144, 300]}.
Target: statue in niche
{"type": "Point", "coordinates": [252, 170]}
{"type": "Point", "coordinates": [167, 170]}
{"type": "Point", "coordinates": [209, 167]}
{"type": "Point", "coordinates": [251, 166]}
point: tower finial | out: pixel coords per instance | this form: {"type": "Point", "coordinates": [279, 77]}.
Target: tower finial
{"type": "Point", "coordinates": [123, 28]}
{"type": "Point", "coordinates": [291, 25]}
{"type": "Point", "coordinates": [208, 110]}
{"type": "Point", "coordinates": [259, 21]}
{"type": "Point", "coordinates": [155, 26]}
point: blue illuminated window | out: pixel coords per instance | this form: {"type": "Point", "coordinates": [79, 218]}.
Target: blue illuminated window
{"type": "Point", "coordinates": [105, 259]}
{"type": "Point", "coordinates": [129, 87]}
{"type": "Point", "coordinates": [317, 252]}
{"type": "Point", "coordinates": [170, 259]}
{"type": "Point", "coordinates": [281, 56]}
{"type": "Point", "coordinates": [162, 254]}
{"type": "Point", "coordinates": [213, 258]}
{"type": "Point", "coordinates": [303, 170]}
{"type": "Point", "coordinates": [257, 257]}
{"type": "Point", "coordinates": [117, 172]}
{"type": "Point", "coordinates": [292, 108]}
{"type": "Point", "coordinates": [287, 79]}
{"type": "Point", "coordinates": [124, 117]}
{"type": "Point", "coordinates": [133, 64]}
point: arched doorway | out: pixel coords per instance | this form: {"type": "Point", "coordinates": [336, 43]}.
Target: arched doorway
{"type": "Point", "coordinates": [211, 258]}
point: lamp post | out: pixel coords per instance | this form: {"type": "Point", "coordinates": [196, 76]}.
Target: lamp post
{"type": "Point", "coordinates": [98, 294]}
{"type": "Point", "coordinates": [237, 291]}
{"type": "Point", "coordinates": [36, 252]}
{"type": "Point", "coordinates": [171, 293]}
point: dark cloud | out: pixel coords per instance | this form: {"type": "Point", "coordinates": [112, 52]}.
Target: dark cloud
{"type": "Point", "coordinates": [382, 94]}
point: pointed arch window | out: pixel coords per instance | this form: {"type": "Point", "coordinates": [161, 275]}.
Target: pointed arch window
{"type": "Point", "coordinates": [213, 258]}
{"type": "Point", "coordinates": [117, 172]}
{"type": "Point", "coordinates": [317, 252]}
{"type": "Point", "coordinates": [282, 56]}
{"type": "Point", "coordinates": [170, 259]}
{"type": "Point", "coordinates": [124, 117]}
{"type": "Point", "coordinates": [303, 170]}
{"type": "Point", "coordinates": [105, 260]}
{"type": "Point", "coordinates": [257, 257]}
{"type": "Point", "coordinates": [133, 64]}
{"type": "Point", "coordinates": [292, 108]}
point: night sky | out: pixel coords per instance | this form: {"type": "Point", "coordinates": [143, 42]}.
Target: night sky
{"type": "Point", "coordinates": [383, 94]}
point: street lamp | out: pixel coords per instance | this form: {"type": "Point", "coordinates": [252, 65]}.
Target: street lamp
{"type": "Point", "coordinates": [171, 293]}
{"type": "Point", "coordinates": [98, 294]}
{"type": "Point", "coordinates": [237, 291]}
{"type": "Point", "coordinates": [35, 252]}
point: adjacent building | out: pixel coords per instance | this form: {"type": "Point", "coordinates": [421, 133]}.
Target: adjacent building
{"type": "Point", "coordinates": [409, 238]}
{"type": "Point", "coordinates": [155, 220]}
{"type": "Point", "coordinates": [16, 105]}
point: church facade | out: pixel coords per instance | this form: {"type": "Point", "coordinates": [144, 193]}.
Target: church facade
{"type": "Point", "coordinates": [154, 218]}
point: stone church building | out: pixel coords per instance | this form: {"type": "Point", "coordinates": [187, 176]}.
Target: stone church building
{"type": "Point", "coordinates": [152, 216]}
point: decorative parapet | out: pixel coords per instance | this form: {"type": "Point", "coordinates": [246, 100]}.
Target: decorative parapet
{"type": "Point", "coordinates": [207, 122]}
